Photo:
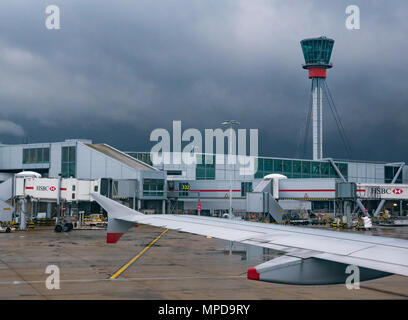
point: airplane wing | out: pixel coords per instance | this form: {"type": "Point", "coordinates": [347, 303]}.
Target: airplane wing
{"type": "Point", "coordinates": [310, 256]}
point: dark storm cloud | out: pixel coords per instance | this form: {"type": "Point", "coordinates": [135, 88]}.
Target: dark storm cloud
{"type": "Point", "coordinates": [119, 69]}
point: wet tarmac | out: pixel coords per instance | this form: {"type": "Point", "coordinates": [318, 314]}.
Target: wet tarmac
{"type": "Point", "coordinates": [177, 266]}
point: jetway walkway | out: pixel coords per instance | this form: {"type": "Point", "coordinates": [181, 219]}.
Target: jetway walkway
{"type": "Point", "coordinates": [261, 200]}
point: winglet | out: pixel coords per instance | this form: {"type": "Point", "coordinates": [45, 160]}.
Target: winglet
{"type": "Point", "coordinates": [252, 274]}
{"type": "Point", "coordinates": [118, 217]}
{"type": "Point", "coordinates": [113, 237]}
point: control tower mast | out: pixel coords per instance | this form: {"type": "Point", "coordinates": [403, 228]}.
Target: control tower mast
{"type": "Point", "coordinates": [317, 52]}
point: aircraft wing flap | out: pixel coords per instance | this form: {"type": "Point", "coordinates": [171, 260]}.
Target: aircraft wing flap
{"type": "Point", "coordinates": [365, 263]}
{"type": "Point", "coordinates": [266, 245]}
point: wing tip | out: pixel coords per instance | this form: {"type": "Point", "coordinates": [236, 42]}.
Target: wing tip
{"type": "Point", "coordinates": [252, 274]}
{"type": "Point", "coordinates": [113, 237]}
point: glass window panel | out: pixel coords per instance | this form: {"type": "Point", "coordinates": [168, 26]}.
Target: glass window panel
{"type": "Point", "coordinates": [64, 170]}
{"type": "Point", "coordinates": [332, 172]}
{"type": "Point", "coordinates": [43, 155]}
{"type": "Point", "coordinates": [47, 155]}
{"type": "Point", "coordinates": [343, 168]}
{"type": "Point", "coordinates": [260, 164]}
{"type": "Point", "coordinates": [296, 167]}
{"type": "Point", "coordinates": [325, 168]}
{"type": "Point", "coordinates": [259, 174]}
{"type": "Point", "coordinates": [210, 173]}
{"type": "Point", "coordinates": [306, 169]}
{"type": "Point", "coordinates": [277, 165]}
{"type": "Point", "coordinates": [72, 169]}
{"type": "Point", "coordinates": [287, 166]}
{"type": "Point", "coordinates": [316, 168]}
{"type": "Point", "coordinates": [268, 165]}
{"type": "Point", "coordinates": [65, 154]}
{"type": "Point", "coordinates": [210, 161]}
{"type": "Point", "coordinates": [200, 173]}
{"type": "Point", "coordinates": [25, 155]}
{"type": "Point", "coordinates": [245, 187]}
{"type": "Point", "coordinates": [37, 155]}
{"type": "Point", "coordinates": [72, 154]}
{"type": "Point", "coordinates": [40, 152]}
{"type": "Point", "coordinates": [31, 155]}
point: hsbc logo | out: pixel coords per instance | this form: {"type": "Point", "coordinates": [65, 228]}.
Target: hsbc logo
{"type": "Point", "coordinates": [45, 188]}
{"type": "Point", "coordinates": [397, 191]}
{"type": "Point", "coordinates": [386, 193]}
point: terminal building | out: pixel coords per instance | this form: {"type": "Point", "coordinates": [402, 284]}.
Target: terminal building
{"type": "Point", "coordinates": [132, 178]}
{"type": "Point", "coordinates": [141, 185]}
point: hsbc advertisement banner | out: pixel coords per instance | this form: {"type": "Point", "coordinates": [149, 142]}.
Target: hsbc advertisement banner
{"type": "Point", "coordinates": [47, 188]}
{"type": "Point", "coordinates": [382, 191]}
{"type": "Point", "coordinates": [42, 188]}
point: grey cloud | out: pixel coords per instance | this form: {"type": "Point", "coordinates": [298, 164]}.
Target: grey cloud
{"type": "Point", "coordinates": [117, 70]}
{"type": "Point", "coordinates": [11, 128]}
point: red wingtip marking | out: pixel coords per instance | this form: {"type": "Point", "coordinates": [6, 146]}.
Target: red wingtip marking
{"type": "Point", "coordinates": [113, 237]}
{"type": "Point", "coordinates": [253, 274]}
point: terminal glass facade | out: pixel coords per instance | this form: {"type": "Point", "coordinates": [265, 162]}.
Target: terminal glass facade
{"type": "Point", "coordinates": [142, 156]}
{"type": "Point", "coordinates": [68, 161]}
{"type": "Point", "coordinates": [205, 168]}
{"type": "Point", "coordinates": [153, 187]}
{"type": "Point", "coordinates": [390, 172]}
{"type": "Point", "coordinates": [36, 155]}
{"type": "Point", "coordinates": [245, 187]}
{"type": "Point", "coordinates": [299, 168]}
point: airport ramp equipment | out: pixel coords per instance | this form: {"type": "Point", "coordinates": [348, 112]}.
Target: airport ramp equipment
{"type": "Point", "coordinates": [6, 193]}
{"type": "Point", "coordinates": [6, 212]}
{"type": "Point", "coordinates": [261, 200]}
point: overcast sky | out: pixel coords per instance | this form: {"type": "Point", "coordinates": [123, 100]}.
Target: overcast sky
{"type": "Point", "coordinates": [116, 70]}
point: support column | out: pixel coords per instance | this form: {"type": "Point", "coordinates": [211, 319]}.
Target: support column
{"type": "Point", "coordinates": [23, 207]}
{"type": "Point", "coordinates": [377, 211]}
{"type": "Point", "coordinates": [317, 117]}
{"type": "Point", "coordinates": [48, 215]}
{"type": "Point", "coordinates": [347, 213]}
{"type": "Point", "coordinates": [400, 213]}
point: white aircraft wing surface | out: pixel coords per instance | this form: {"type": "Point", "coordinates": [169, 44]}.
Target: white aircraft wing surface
{"type": "Point", "coordinates": [311, 256]}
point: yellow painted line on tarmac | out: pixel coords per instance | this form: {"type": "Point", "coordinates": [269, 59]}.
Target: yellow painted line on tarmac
{"type": "Point", "coordinates": [127, 265]}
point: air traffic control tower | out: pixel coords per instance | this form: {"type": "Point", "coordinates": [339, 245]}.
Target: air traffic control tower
{"type": "Point", "coordinates": [317, 52]}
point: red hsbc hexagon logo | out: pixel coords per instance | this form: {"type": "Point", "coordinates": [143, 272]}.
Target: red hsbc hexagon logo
{"type": "Point", "coordinates": [397, 191]}
{"type": "Point", "coordinates": [52, 188]}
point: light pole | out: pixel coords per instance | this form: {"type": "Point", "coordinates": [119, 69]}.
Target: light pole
{"type": "Point", "coordinates": [230, 123]}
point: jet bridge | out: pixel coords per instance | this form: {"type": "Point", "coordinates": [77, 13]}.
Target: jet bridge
{"type": "Point", "coordinates": [264, 199]}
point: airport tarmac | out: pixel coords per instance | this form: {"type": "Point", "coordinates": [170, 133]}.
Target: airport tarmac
{"type": "Point", "coordinates": [177, 266]}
